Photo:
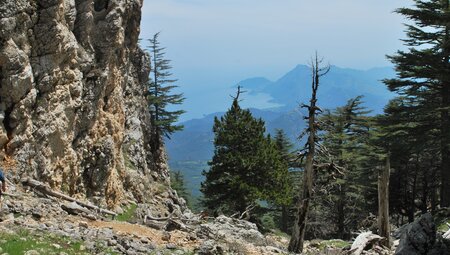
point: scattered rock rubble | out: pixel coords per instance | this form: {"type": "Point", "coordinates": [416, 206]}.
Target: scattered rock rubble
{"type": "Point", "coordinates": [185, 232]}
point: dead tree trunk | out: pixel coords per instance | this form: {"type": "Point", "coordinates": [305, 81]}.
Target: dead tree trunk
{"type": "Point", "coordinates": [284, 218]}
{"type": "Point", "coordinates": [445, 127]}
{"type": "Point", "coordinates": [48, 191]}
{"type": "Point", "coordinates": [341, 213]}
{"type": "Point", "coordinates": [383, 203]}
{"type": "Point", "coordinates": [299, 228]}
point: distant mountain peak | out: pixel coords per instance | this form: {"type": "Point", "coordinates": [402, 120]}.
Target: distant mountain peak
{"type": "Point", "coordinates": [255, 84]}
{"type": "Point", "coordinates": [255, 79]}
{"type": "Point", "coordinates": [338, 86]}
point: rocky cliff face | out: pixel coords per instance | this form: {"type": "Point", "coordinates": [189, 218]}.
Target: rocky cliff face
{"type": "Point", "coordinates": [72, 104]}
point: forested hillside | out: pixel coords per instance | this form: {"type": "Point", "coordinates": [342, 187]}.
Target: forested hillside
{"type": "Point", "coordinates": [362, 150]}
{"type": "Point", "coordinates": [353, 160]}
{"type": "Point", "coordinates": [191, 148]}
{"type": "Point", "coordinates": [194, 142]}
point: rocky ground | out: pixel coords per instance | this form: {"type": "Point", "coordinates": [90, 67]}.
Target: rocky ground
{"type": "Point", "coordinates": [32, 223]}
{"type": "Point", "coordinates": [47, 225]}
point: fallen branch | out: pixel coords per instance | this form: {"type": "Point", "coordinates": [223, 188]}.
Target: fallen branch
{"type": "Point", "coordinates": [48, 191]}
{"type": "Point", "coordinates": [150, 217]}
{"type": "Point", "coordinates": [153, 224]}
{"type": "Point", "coordinates": [234, 215]}
{"type": "Point", "coordinates": [9, 194]}
{"type": "Point", "coordinates": [10, 183]}
{"type": "Point", "coordinates": [446, 235]}
{"type": "Point", "coordinates": [362, 241]}
{"type": "Point", "coordinates": [247, 211]}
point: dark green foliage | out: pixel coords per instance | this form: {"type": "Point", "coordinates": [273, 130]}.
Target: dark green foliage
{"type": "Point", "coordinates": [177, 183]}
{"type": "Point", "coordinates": [414, 158]}
{"type": "Point", "coordinates": [283, 209]}
{"type": "Point", "coordinates": [278, 213]}
{"type": "Point", "coordinates": [284, 146]}
{"type": "Point", "coordinates": [192, 171]}
{"type": "Point", "coordinates": [160, 95]}
{"type": "Point", "coordinates": [339, 201]}
{"type": "Point", "coordinates": [246, 166]}
{"type": "Point", "coordinates": [423, 105]}
{"type": "Point", "coordinates": [279, 189]}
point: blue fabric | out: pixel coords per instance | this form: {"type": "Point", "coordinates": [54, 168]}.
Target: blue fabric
{"type": "Point", "coordinates": [2, 176]}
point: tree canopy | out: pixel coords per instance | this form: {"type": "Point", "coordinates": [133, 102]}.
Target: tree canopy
{"type": "Point", "coordinates": [246, 166]}
{"type": "Point", "coordinates": [423, 84]}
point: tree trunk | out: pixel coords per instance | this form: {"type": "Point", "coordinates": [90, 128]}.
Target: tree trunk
{"type": "Point", "coordinates": [445, 121]}
{"type": "Point", "coordinates": [425, 188]}
{"type": "Point", "coordinates": [284, 218]}
{"type": "Point", "coordinates": [299, 228]}
{"type": "Point", "coordinates": [383, 203]}
{"type": "Point", "coordinates": [445, 150]}
{"type": "Point", "coordinates": [341, 200]}
{"type": "Point", "coordinates": [48, 191]}
{"type": "Point", "coordinates": [434, 191]}
{"type": "Point", "coordinates": [412, 205]}
{"type": "Point", "coordinates": [341, 214]}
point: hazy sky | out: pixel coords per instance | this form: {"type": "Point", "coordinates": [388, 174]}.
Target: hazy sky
{"type": "Point", "coordinates": [214, 44]}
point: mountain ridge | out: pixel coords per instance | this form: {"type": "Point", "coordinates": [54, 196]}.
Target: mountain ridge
{"type": "Point", "coordinates": [350, 82]}
{"type": "Point", "coordinates": [190, 149]}
{"type": "Point", "coordinates": [337, 87]}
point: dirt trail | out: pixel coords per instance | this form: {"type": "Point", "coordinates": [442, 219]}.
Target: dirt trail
{"type": "Point", "coordinates": [156, 236]}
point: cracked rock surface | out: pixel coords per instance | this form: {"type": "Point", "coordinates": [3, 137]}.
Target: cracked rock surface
{"type": "Point", "coordinates": [73, 111]}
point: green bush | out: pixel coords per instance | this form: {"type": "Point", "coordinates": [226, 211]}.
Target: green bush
{"type": "Point", "coordinates": [128, 213]}
{"type": "Point", "coordinates": [22, 241]}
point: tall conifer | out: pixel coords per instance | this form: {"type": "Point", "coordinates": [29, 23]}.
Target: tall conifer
{"type": "Point", "coordinates": [345, 133]}
{"type": "Point", "coordinates": [246, 166]}
{"type": "Point", "coordinates": [423, 73]}
{"type": "Point", "coordinates": [160, 95]}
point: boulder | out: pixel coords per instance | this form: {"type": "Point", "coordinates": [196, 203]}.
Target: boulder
{"type": "Point", "coordinates": [210, 247]}
{"type": "Point", "coordinates": [225, 228]}
{"type": "Point", "coordinates": [420, 238]}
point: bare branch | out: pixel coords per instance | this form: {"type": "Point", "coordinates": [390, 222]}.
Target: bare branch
{"type": "Point", "coordinates": [238, 93]}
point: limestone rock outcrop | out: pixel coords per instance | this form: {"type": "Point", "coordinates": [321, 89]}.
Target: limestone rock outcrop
{"type": "Point", "coordinates": [73, 112]}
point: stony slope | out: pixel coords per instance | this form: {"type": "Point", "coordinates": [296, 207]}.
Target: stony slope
{"type": "Point", "coordinates": [72, 105]}
{"type": "Point", "coordinates": [33, 223]}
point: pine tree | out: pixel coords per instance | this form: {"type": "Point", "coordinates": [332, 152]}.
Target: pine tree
{"type": "Point", "coordinates": [285, 148]}
{"type": "Point", "coordinates": [284, 145]}
{"type": "Point", "coordinates": [277, 187]}
{"type": "Point", "coordinates": [245, 164]}
{"type": "Point", "coordinates": [160, 95]}
{"type": "Point", "coordinates": [177, 183]}
{"type": "Point", "coordinates": [409, 133]}
{"type": "Point", "coordinates": [345, 132]}
{"type": "Point", "coordinates": [424, 75]}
